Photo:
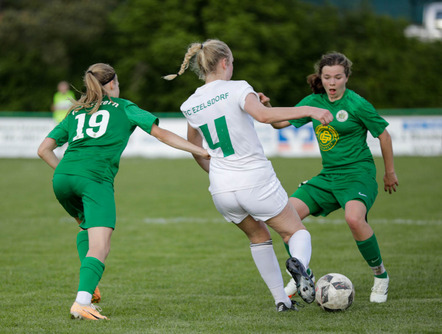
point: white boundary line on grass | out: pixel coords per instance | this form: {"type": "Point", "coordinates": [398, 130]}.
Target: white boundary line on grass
{"type": "Point", "coordinates": [174, 220]}
{"type": "Point", "coordinates": [308, 220]}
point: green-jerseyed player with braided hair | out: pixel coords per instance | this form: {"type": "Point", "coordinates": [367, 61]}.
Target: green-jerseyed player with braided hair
{"type": "Point", "coordinates": [348, 177]}
{"type": "Point", "coordinates": [97, 129]}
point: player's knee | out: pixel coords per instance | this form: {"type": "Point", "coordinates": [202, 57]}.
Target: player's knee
{"type": "Point", "coordinates": [354, 222]}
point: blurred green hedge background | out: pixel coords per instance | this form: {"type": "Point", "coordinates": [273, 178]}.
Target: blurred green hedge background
{"type": "Point", "coordinates": [275, 45]}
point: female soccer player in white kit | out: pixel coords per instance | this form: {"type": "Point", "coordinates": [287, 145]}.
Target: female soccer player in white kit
{"type": "Point", "coordinates": [243, 184]}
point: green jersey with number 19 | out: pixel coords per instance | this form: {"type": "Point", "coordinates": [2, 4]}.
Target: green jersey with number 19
{"type": "Point", "coordinates": [96, 141]}
{"type": "Point", "coordinates": [343, 143]}
{"type": "Point", "coordinates": [237, 161]}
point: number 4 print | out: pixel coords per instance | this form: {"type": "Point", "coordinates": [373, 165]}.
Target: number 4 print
{"type": "Point", "coordinates": [222, 131]}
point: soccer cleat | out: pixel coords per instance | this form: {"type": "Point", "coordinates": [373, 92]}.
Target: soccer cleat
{"type": "Point", "coordinates": [291, 289]}
{"type": "Point", "coordinates": [281, 307]}
{"type": "Point", "coordinates": [379, 291]}
{"type": "Point", "coordinates": [310, 273]}
{"type": "Point", "coordinates": [96, 297]}
{"type": "Point", "coordinates": [304, 284]}
{"type": "Point", "coordinates": [87, 312]}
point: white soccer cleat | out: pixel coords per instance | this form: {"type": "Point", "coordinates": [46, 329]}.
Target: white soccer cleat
{"type": "Point", "coordinates": [379, 291]}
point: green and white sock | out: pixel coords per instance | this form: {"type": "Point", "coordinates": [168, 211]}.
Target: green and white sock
{"type": "Point", "coordinates": [370, 252]}
{"type": "Point", "coordinates": [83, 298]}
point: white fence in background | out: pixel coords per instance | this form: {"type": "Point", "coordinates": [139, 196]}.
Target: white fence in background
{"type": "Point", "coordinates": [411, 135]}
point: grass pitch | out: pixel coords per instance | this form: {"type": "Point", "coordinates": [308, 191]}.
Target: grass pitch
{"type": "Point", "coordinates": [176, 267]}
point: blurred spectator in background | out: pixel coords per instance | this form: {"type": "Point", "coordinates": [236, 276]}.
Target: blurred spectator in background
{"type": "Point", "coordinates": [61, 102]}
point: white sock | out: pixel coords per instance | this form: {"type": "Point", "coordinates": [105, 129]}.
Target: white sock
{"type": "Point", "coordinates": [83, 298]}
{"type": "Point", "coordinates": [300, 245]}
{"type": "Point", "coordinates": [268, 266]}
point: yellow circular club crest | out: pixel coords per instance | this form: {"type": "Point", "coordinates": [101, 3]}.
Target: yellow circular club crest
{"type": "Point", "coordinates": [327, 137]}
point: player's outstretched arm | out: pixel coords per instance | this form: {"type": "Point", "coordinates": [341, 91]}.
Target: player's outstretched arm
{"type": "Point", "coordinates": [268, 115]}
{"type": "Point", "coordinates": [175, 141]}
{"type": "Point", "coordinates": [195, 138]}
{"type": "Point", "coordinates": [46, 152]}
{"type": "Point", "coordinates": [265, 100]}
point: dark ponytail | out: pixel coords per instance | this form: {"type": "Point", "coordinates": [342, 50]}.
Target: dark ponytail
{"type": "Point", "coordinates": [315, 82]}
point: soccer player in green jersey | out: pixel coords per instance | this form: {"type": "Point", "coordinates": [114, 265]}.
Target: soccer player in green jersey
{"type": "Point", "coordinates": [348, 177]}
{"type": "Point", "coordinates": [97, 129]}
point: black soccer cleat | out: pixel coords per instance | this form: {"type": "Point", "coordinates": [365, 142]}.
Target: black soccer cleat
{"type": "Point", "coordinates": [304, 283]}
{"type": "Point", "coordinates": [281, 307]}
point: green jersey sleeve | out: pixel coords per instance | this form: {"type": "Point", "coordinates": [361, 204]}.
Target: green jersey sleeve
{"type": "Point", "coordinates": [142, 118]}
{"type": "Point", "coordinates": [60, 133]}
{"type": "Point", "coordinates": [368, 115]}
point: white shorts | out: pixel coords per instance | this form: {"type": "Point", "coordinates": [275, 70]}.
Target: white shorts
{"type": "Point", "coordinates": [262, 202]}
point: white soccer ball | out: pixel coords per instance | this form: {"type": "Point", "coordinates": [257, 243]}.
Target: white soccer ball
{"type": "Point", "coordinates": [334, 292]}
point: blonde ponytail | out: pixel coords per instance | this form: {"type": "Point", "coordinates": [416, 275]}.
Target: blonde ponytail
{"type": "Point", "coordinates": [203, 58]}
{"type": "Point", "coordinates": [95, 78]}
{"type": "Point", "coordinates": [193, 49]}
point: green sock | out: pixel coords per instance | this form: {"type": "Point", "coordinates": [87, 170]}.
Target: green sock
{"type": "Point", "coordinates": [82, 244]}
{"type": "Point", "coordinates": [370, 251]}
{"type": "Point", "coordinates": [91, 271]}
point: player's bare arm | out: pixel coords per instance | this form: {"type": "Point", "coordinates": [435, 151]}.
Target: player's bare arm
{"type": "Point", "coordinates": [46, 152]}
{"type": "Point", "coordinates": [195, 138]}
{"type": "Point", "coordinates": [264, 114]}
{"type": "Point", "coordinates": [265, 100]}
{"type": "Point", "coordinates": [173, 140]}
{"type": "Point", "coordinates": [390, 179]}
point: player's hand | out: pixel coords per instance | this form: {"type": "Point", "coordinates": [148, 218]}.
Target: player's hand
{"type": "Point", "coordinates": [264, 100]}
{"type": "Point", "coordinates": [322, 115]}
{"type": "Point", "coordinates": [390, 182]}
{"type": "Point", "coordinates": [204, 154]}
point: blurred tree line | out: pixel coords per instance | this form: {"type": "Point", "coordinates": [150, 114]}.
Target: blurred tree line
{"type": "Point", "coordinates": [275, 45]}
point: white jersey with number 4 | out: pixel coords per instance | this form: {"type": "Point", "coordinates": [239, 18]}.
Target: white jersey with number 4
{"type": "Point", "coordinates": [216, 110]}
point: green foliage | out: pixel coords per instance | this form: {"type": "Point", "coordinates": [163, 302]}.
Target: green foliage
{"type": "Point", "coordinates": [390, 69]}
{"type": "Point", "coordinates": [275, 47]}
{"type": "Point", "coordinates": [44, 42]}
{"type": "Point", "coordinates": [176, 266]}
{"type": "Point", "coordinates": [152, 46]}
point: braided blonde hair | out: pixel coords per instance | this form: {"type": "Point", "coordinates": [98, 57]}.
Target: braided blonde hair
{"type": "Point", "coordinates": [203, 58]}
{"type": "Point", "coordinates": [95, 78]}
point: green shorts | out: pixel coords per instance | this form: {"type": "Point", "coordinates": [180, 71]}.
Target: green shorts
{"type": "Point", "coordinates": [91, 201]}
{"type": "Point", "coordinates": [326, 193]}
